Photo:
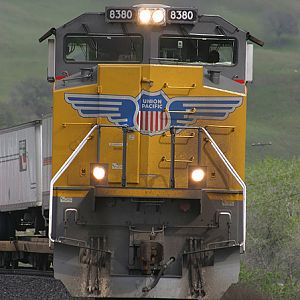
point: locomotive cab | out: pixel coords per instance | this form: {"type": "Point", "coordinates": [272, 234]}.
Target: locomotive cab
{"type": "Point", "coordinates": [149, 116]}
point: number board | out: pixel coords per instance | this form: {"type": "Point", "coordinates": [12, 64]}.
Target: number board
{"type": "Point", "coordinates": [120, 14]}
{"type": "Point", "coordinates": [182, 15]}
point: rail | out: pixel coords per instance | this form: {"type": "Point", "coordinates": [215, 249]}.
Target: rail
{"type": "Point", "coordinates": [224, 160]}
{"type": "Point", "coordinates": [172, 167]}
{"type": "Point", "coordinates": [71, 159]}
{"type": "Point", "coordinates": [237, 178]}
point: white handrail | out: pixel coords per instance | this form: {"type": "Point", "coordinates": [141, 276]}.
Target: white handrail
{"type": "Point", "coordinates": [214, 145]}
{"type": "Point", "coordinates": [59, 173]}
{"type": "Point", "coordinates": [237, 178]}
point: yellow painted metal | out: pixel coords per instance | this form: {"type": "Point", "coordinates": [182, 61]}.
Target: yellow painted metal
{"type": "Point", "coordinates": [66, 139]}
{"type": "Point", "coordinates": [145, 168]}
{"type": "Point", "coordinates": [224, 197]}
{"type": "Point", "coordinates": [111, 153]}
{"type": "Point", "coordinates": [149, 193]}
{"type": "Point", "coordinates": [71, 193]}
{"type": "Point", "coordinates": [77, 124]}
{"type": "Point", "coordinates": [116, 80]}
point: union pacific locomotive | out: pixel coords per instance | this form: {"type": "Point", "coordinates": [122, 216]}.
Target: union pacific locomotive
{"type": "Point", "coordinates": [147, 198]}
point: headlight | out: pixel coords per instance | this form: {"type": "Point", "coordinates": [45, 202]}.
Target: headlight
{"type": "Point", "coordinates": [152, 16]}
{"type": "Point", "coordinates": [159, 16]}
{"type": "Point", "coordinates": [99, 173]}
{"type": "Point", "coordinates": [144, 16]}
{"type": "Point", "coordinates": [198, 175]}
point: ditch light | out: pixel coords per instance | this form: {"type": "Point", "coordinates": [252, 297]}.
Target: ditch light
{"type": "Point", "coordinates": [98, 174]}
{"type": "Point", "coordinates": [198, 177]}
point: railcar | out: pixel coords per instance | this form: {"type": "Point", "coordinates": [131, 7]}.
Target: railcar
{"type": "Point", "coordinates": [25, 174]}
{"type": "Point", "coordinates": [147, 198]}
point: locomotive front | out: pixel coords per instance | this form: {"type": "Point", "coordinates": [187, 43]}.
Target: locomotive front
{"type": "Point", "coordinates": [149, 116]}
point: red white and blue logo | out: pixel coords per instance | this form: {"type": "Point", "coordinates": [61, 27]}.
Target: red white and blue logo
{"type": "Point", "coordinates": [153, 113]}
{"type": "Point", "coordinates": [152, 117]}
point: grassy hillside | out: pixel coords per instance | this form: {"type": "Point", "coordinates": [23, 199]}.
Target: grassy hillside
{"type": "Point", "coordinates": [21, 24]}
{"type": "Point", "coordinates": [274, 103]}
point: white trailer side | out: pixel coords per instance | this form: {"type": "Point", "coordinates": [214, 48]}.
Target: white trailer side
{"type": "Point", "coordinates": [21, 167]}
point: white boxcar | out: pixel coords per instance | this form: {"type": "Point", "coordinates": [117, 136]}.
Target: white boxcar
{"type": "Point", "coordinates": [21, 167]}
{"type": "Point", "coordinates": [26, 165]}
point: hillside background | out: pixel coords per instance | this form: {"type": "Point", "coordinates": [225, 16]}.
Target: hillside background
{"type": "Point", "coordinates": [274, 103]}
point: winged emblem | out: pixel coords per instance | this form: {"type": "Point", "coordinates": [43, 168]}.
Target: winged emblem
{"type": "Point", "coordinates": [153, 113]}
{"type": "Point", "coordinates": [187, 110]}
{"type": "Point", "coordinates": [119, 110]}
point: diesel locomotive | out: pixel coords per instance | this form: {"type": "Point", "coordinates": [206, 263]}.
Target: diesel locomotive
{"type": "Point", "coordinates": [147, 198]}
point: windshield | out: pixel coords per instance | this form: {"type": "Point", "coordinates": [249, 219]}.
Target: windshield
{"type": "Point", "coordinates": [197, 50]}
{"type": "Point", "coordinates": [85, 49]}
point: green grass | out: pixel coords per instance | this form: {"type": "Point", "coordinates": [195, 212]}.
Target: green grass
{"type": "Point", "coordinates": [274, 104]}
{"type": "Point", "coordinates": [21, 24]}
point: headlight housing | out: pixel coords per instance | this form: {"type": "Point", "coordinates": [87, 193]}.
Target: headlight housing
{"type": "Point", "coordinates": [151, 16]}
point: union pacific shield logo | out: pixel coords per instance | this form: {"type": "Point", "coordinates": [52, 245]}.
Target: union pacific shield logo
{"type": "Point", "coordinates": [152, 118]}
{"type": "Point", "coordinates": [153, 113]}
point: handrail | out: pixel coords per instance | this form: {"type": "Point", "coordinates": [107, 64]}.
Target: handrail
{"type": "Point", "coordinates": [167, 86]}
{"type": "Point", "coordinates": [70, 160]}
{"type": "Point", "coordinates": [58, 175]}
{"type": "Point", "coordinates": [237, 178]}
{"type": "Point", "coordinates": [180, 136]}
{"type": "Point", "coordinates": [186, 112]}
{"type": "Point", "coordinates": [225, 161]}
{"type": "Point", "coordinates": [187, 161]}
{"type": "Point", "coordinates": [173, 131]}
